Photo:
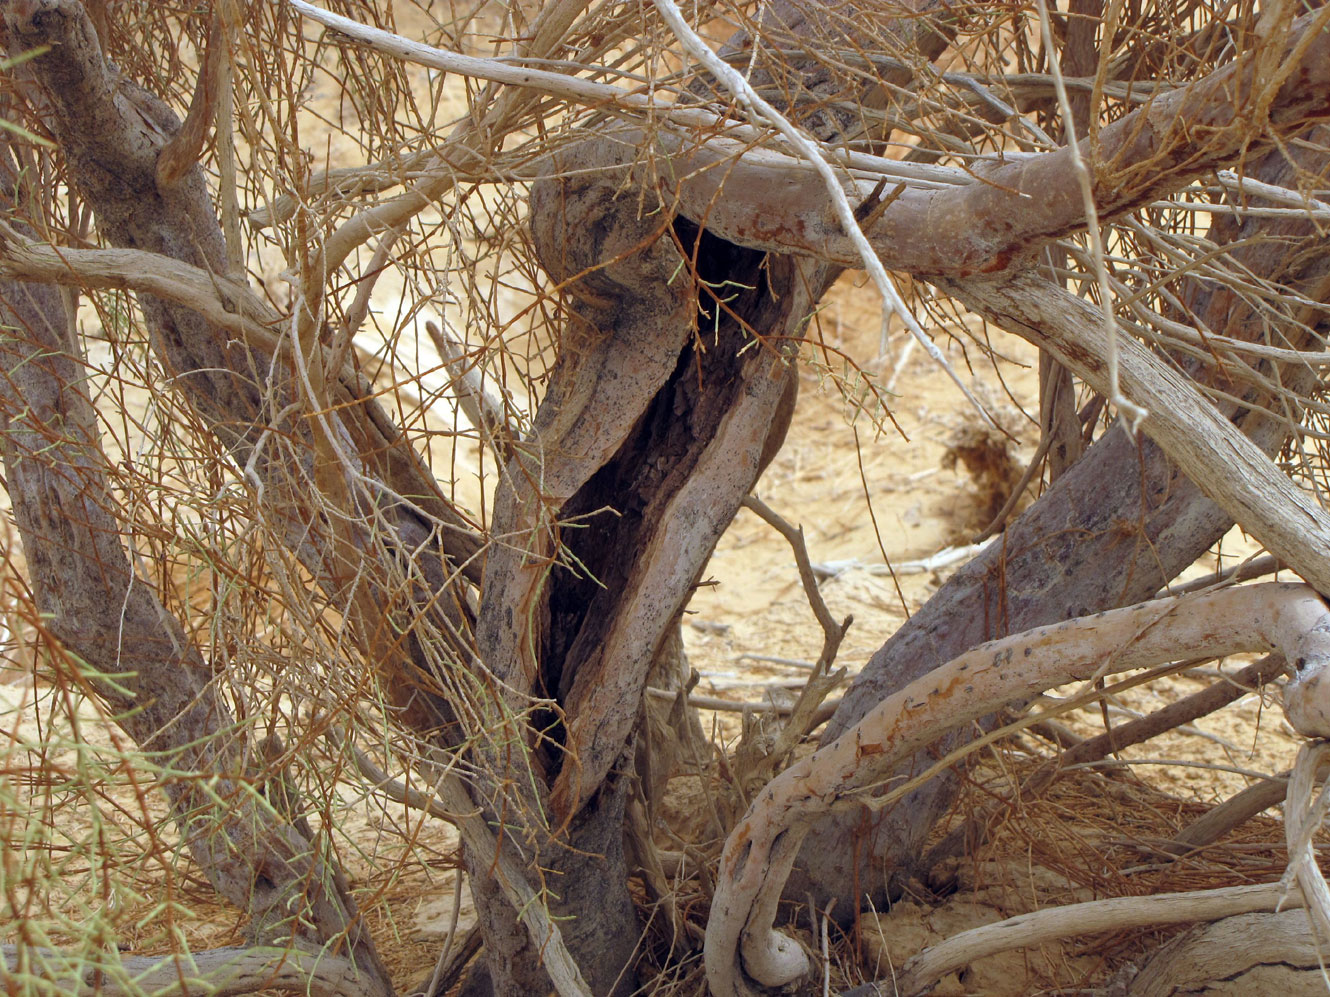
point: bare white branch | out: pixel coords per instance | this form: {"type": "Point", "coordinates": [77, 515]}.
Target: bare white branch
{"type": "Point", "coordinates": [608, 96]}
{"type": "Point", "coordinates": [1130, 411]}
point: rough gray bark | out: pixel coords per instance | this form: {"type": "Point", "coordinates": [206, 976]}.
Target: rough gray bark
{"type": "Point", "coordinates": [636, 421]}
{"type": "Point", "coordinates": [143, 665]}
{"type": "Point", "coordinates": [1250, 955]}
{"type": "Point", "coordinates": [670, 437]}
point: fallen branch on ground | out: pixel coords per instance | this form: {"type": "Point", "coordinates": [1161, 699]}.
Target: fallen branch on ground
{"type": "Point", "coordinates": [214, 973]}
{"type": "Point", "coordinates": [1092, 917]}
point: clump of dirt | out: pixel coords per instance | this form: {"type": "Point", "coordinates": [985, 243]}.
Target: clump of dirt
{"type": "Point", "coordinates": [987, 455]}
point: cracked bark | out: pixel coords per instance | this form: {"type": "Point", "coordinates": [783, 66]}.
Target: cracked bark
{"type": "Point", "coordinates": [669, 427]}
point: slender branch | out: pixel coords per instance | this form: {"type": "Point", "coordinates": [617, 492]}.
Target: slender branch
{"type": "Point", "coordinates": [794, 536]}
{"type": "Point", "coordinates": [394, 789]}
{"type": "Point", "coordinates": [718, 705]}
{"type": "Point", "coordinates": [225, 303]}
{"type": "Point", "coordinates": [1174, 715]}
{"type": "Point", "coordinates": [1256, 567]}
{"type": "Point", "coordinates": [1303, 819]}
{"type": "Point", "coordinates": [530, 907]}
{"type": "Point", "coordinates": [811, 709]}
{"type": "Point", "coordinates": [451, 802]}
{"type": "Point", "coordinates": [144, 665]}
{"type": "Point", "coordinates": [1080, 169]}
{"type": "Point", "coordinates": [477, 401]}
{"type": "Point", "coordinates": [604, 95]}
{"type": "Point", "coordinates": [1232, 813]}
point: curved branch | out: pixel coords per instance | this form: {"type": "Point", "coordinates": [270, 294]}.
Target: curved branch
{"type": "Point", "coordinates": [225, 303]}
{"type": "Point", "coordinates": [741, 943]}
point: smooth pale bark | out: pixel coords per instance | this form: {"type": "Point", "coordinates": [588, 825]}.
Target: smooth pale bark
{"type": "Point", "coordinates": [1119, 914]}
{"type": "Point", "coordinates": [742, 945]}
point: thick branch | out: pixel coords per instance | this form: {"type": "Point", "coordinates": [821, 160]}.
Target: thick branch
{"type": "Point", "coordinates": [1017, 207]}
{"type": "Point", "coordinates": [223, 302]}
{"type": "Point", "coordinates": [1110, 532]}
{"type": "Point", "coordinates": [1174, 715]}
{"type": "Point", "coordinates": [1228, 467]}
{"type": "Point", "coordinates": [346, 511]}
{"type": "Point", "coordinates": [762, 848]}
{"type": "Point", "coordinates": [112, 132]}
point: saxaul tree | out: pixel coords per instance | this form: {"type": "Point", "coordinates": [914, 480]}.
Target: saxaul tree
{"type": "Point", "coordinates": [289, 542]}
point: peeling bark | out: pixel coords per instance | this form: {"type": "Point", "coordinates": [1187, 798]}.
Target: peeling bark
{"type": "Point", "coordinates": [655, 413]}
{"type": "Point", "coordinates": [659, 417]}
{"type": "Point", "coordinates": [647, 443]}
{"type": "Point", "coordinates": [1251, 954]}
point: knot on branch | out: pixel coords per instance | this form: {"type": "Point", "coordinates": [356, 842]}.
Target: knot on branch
{"type": "Point", "coordinates": [607, 244]}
